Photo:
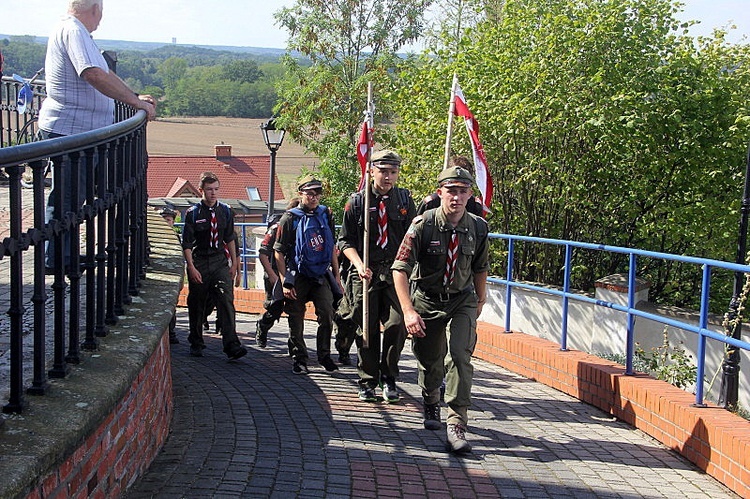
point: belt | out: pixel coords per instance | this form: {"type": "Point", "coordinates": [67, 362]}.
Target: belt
{"type": "Point", "coordinates": [445, 297]}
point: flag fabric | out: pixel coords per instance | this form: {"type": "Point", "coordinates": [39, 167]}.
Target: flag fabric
{"type": "Point", "coordinates": [481, 172]}
{"type": "Point", "coordinates": [363, 149]}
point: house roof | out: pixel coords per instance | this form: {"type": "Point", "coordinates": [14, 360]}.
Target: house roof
{"type": "Point", "coordinates": [176, 176]}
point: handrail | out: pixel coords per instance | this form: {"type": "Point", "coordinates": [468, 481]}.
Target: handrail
{"type": "Point", "coordinates": [701, 330]}
{"type": "Point", "coordinates": [104, 173]}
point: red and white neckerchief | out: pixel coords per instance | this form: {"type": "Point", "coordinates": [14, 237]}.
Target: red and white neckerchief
{"type": "Point", "coordinates": [450, 262]}
{"type": "Point", "coordinates": [214, 229]}
{"type": "Point", "coordinates": [382, 224]}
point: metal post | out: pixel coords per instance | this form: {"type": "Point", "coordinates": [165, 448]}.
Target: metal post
{"type": "Point", "coordinates": [729, 392]}
{"type": "Point", "coordinates": [271, 185]}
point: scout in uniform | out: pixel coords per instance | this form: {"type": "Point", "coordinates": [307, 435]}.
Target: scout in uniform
{"type": "Point", "coordinates": [392, 209]}
{"type": "Point", "coordinates": [208, 243]}
{"type": "Point", "coordinates": [444, 255]}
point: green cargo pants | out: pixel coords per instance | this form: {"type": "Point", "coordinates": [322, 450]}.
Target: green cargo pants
{"type": "Point", "coordinates": [446, 350]}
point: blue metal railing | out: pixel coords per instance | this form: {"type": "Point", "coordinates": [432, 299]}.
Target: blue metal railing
{"type": "Point", "coordinates": [247, 254]}
{"type": "Point", "coordinates": [701, 329]}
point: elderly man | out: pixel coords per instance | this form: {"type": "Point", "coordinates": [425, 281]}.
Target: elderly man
{"type": "Point", "coordinates": [80, 92]}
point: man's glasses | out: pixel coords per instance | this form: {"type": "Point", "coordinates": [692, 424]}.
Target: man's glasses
{"type": "Point", "coordinates": [312, 194]}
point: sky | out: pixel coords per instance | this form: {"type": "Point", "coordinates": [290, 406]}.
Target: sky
{"type": "Point", "coordinates": [250, 23]}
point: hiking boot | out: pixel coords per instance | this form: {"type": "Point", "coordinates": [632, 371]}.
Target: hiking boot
{"type": "Point", "coordinates": [345, 359]}
{"type": "Point", "coordinates": [299, 367]}
{"type": "Point", "coordinates": [432, 416]}
{"type": "Point", "coordinates": [367, 394]}
{"type": "Point", "coordinates": [390, 392]}
{"type": "Point", "coordinates": [261, 337]}
{"type": "Point", "coordinates": [457, 439]}
{"type": "Point", "coordinates": [237, 353]}
{"type": "Point", "coordinates": [329, 364]}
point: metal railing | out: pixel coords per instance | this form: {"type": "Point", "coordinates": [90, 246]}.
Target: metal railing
{"type": "Point", "coordinates": [109, 212]}
{"type": "Point", "coordinates": [11, 121]}
{"type": "Point", "coordinates": [701, 330]}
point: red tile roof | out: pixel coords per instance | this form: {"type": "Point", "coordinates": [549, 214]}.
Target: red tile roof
{"type": "Point", "coordinates": [175, 176]}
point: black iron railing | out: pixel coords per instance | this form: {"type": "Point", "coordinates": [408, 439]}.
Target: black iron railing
{"type": "Point", "coordinates": [109, 224]}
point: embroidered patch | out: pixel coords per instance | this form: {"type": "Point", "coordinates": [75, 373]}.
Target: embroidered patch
{"type": "Point", "coordinates": [404, 251]}
{"type": "Point", "coordinates": [201, 220]}
{"type": "Point", "coordinates": [434, 243]}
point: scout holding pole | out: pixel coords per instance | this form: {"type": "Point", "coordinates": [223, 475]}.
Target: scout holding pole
{"type": "Point", "coordinates": [366, 214]}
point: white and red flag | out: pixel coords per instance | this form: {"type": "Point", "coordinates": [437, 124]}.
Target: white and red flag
{"type": "Point", "coordinates": [364, 147]}
{"type": "Point", "coordinates": [481, 171]}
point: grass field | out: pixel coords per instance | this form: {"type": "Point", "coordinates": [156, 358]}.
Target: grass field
{"type": "Point", "coordinates": [198, 136]}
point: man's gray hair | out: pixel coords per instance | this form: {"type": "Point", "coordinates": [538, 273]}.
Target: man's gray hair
{"type": "Point", "coordinates": [82, 5]}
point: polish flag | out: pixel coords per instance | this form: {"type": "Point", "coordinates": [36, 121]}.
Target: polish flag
{"type": "Point", "coordinates": [482, 173]}
{"type": "Point", "coordinates": [363, 150]}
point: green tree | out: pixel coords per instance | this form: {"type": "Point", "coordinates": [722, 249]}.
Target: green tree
{"type": "Point", "coordinates": [171, 71]}
{"type": "Point", "coordinates": [349, 43]}
{"type": "Point", "coordinates": [602, 122]}
{"type": "Point", "coordinates": [245, 71]}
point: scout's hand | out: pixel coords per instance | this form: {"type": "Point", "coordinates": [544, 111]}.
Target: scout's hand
{"type": "Point", "coordinates": [290, 294]}
{"type": "Point", "coordinates": [364, 273]}
{"type": "Point", "coordinates": [194, 275]}
{"type": "Point", "coordinates": [414, 324]}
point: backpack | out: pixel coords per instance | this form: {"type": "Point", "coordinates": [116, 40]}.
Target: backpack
{"type": "Point", "coordinates": [428, 218]}
{"type": "Point", "coordinates": [194, 209]}
{"type": "Point", "coordinates": [313, 248]}
{"type": "Point", "coordinates": [273, 219]}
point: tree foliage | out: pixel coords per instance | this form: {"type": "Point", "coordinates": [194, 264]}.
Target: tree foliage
{"type": "Point", "coordinates": [348, 43]}
{"type": "Point", "coordinates": [602, 122]}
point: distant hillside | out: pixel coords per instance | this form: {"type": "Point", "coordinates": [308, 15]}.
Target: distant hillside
{"type": "Point", "coordinates": [122, 45]}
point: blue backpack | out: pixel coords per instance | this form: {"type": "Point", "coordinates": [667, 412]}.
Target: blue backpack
{"type": "Point", "coordinates": [314, 242]}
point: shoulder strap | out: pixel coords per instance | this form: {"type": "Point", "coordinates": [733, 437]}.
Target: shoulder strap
{"type": "Point", "coordinates": [404, 195]}
{"type": "Point", "coordinates": [357, 202]}
{"type": "Point", "coordinates": [428, 219]}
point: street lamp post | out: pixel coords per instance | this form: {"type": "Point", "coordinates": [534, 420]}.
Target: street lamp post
{"type": "Point", "coordinates": [729, 391]}
{"type": "Point", "coordinates": [273, 137]}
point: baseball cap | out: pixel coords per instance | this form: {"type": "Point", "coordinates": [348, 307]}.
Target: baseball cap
{"type": "Point", "coordinates": [308, 182]}
{"type": "Point", "coordinates": [386, 158]}
{"type": "Point", "coordinates": [455, 176]}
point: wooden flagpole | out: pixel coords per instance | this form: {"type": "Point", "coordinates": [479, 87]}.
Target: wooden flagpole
{"type": "Point", "coordinates": [369, 115]}
{"type": "Point", "coordinates": [451, 112]}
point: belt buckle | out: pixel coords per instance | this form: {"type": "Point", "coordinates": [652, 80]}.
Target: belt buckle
{"type": "Point", "coordinates": [444, 297]}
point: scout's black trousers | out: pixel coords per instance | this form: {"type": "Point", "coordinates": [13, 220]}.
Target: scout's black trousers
{"type": "Point", "coordinates": [218, 285]}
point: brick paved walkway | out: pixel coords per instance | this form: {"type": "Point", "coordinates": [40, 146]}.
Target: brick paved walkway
{"type": "Point", "coordinates": [253, 429]}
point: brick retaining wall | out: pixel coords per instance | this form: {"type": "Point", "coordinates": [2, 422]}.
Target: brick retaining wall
{"type": "Point", "coordinates": [125, 444]}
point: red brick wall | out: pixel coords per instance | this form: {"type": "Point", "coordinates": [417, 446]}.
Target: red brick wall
{"type": "Point", "coordinates": [716, 440]}
{"type": "Point", "coordinates": [120, 449]}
